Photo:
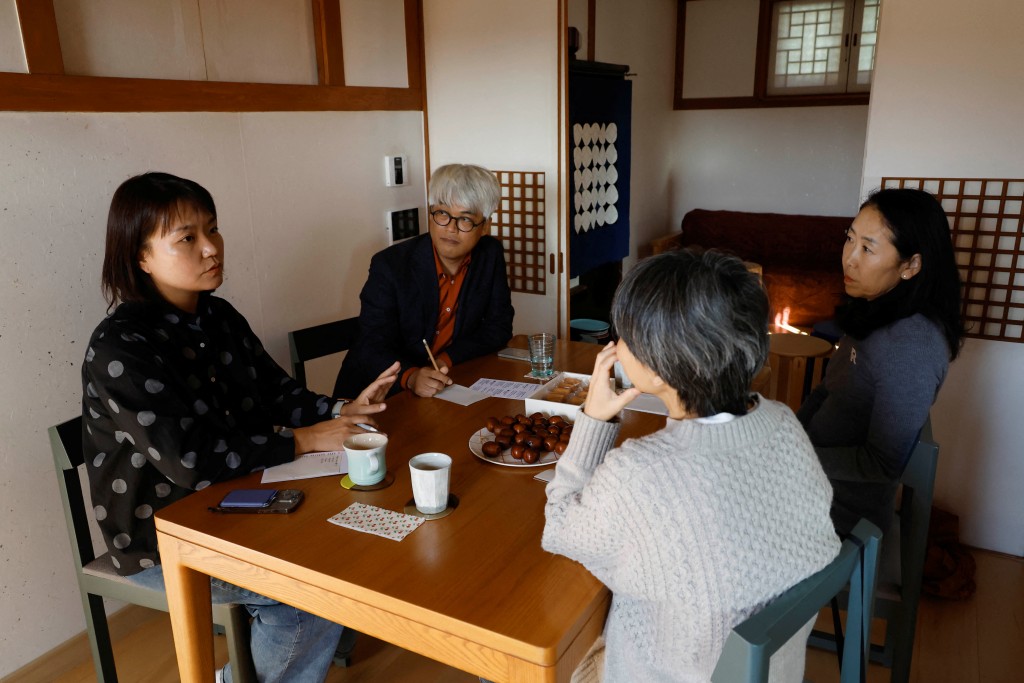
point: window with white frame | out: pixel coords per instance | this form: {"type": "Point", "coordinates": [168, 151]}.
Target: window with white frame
{"type": "Point", "coordinates": [822, 46]}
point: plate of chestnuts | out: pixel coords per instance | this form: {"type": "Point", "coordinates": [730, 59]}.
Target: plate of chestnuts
{"type": "Point", "coordinates": [522, 441]}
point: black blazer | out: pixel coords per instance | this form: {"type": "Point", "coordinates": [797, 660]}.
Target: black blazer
{"type": "Point", "coordinates": [399, 311]}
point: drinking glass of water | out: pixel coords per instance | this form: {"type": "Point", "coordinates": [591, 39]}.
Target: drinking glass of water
{"type": "Point", "coordinates": [542, 352]}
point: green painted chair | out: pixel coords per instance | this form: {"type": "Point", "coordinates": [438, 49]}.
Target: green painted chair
{"type": "Point", "coordinates": [748, 649]}
{"type": "Point", "coordinates": [320, 340]}
{"type": "Point", "coordinates": [97, 578]}
{"type": "Point", "coordinates": [901, 572]}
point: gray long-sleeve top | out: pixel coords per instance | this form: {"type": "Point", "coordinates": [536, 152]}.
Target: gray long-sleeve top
{"type": "Point", "coordinates": [864, 417]}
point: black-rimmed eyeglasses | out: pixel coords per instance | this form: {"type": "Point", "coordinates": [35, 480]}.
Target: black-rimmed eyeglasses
{"type": "Point", "coordinates": [462, 223]}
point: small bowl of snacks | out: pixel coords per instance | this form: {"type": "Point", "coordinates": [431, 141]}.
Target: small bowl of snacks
{"type": "Point", "coordinates": [564, 394]}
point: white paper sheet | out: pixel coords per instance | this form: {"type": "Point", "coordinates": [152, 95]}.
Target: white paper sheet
{"type": "Point", "coordinates": [311, 465]}
{"type": "Point", "coordinates": [456, 393]}
{"type": "Point", "coordinates": [648, 403]}
{"type": "Point", "coordinates": [500, 388]}
{"type": "Point", "coordinates": [545, 475]}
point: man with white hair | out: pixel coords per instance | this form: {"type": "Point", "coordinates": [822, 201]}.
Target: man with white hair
{"type": "Point", "coordinates": [448, 288]}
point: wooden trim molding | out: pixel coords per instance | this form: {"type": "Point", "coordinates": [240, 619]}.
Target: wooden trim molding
{"type": "Point", "coordinates": [591, 26]}
{"type": "Point", "coordinates": [752, 102]}
{"type": "Point", "coordinates": [47, 88]}
{"type": "Point", "coordinates": [414, 56]}
{"type": "Point", "coordinates": [39, 35]}
{"type": "Point", "coordinates": [32, 92]}
{"type": "Point", "coordinates": [330, 58]}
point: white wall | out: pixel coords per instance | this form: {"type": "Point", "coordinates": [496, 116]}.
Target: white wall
{"type": "Point", "coordinates": [12, 56]}
{"type": "Point", "coordinates": [300, 199]}
{"type": "Point", "coordinates": [492, 100]}
{"type": "Point", "coordinates": [947, 102]}
{"type": "Point", "coordinates": [803, 160]}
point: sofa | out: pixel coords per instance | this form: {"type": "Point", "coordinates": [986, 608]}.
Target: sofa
{"type": "Point", "coordinates": [800, 255]}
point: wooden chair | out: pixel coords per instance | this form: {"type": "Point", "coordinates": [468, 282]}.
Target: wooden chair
{"type": "Point", "coordinates": [903, 554]}
{"type": "Point", "coordinates": [97, 578]}
{"type": "Point", "coordinates": [748, 649]}
{"type": "Point", "coordinates": [320, 340]}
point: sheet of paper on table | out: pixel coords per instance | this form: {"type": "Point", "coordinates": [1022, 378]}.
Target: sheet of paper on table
{"type": "Point", "coordinates": [456, 393]}
{"type": "Point", "coordinates": [500, 388]}
{"type": "Point", "coordinates": [323, 464]}
{"type": "Point", "coordinates": [545, 475]}
{"type": "Point", "coordinates": [648, 403]}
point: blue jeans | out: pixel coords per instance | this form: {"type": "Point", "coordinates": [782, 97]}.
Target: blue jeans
{"type": "Point", "coordinates": [288, 645]}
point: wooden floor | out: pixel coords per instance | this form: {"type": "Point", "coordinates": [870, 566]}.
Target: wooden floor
{"type": "Point", "coordinates": [975, 641]}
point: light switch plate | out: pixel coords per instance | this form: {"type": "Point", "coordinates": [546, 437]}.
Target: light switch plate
{"type": "Point", "coordinates": [396, 171]}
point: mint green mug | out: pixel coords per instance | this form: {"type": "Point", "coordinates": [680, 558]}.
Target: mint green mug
{"type": "Point", "coordinates": [366, 463]}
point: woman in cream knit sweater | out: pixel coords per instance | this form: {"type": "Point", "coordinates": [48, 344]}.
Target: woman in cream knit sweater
{"type": "Point", "coordinates": [699, 525]}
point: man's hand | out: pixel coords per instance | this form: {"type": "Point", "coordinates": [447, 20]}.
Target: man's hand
{"type": "Point", "coordinates": [426, 382]}
{"type": "Point", "coordinates": [602, 402]}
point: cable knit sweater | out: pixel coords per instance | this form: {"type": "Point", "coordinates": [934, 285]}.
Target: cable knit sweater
{"type": "Point", "coordinates": [693, 528]}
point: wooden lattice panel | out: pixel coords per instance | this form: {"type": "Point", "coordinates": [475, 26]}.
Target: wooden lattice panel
{"type": "Point", "coordinates": [987, 225]}
{"type": "Point", "coordinates": [519, 224]}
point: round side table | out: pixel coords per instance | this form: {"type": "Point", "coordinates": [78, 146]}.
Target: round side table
{"type": "Point", "coordinates": [796, 362]}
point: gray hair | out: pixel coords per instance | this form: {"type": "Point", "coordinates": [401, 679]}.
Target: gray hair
{"type": "Point", "coordinates": [465, 185]}
{"type": "Point", "coordinates": [700, 321]}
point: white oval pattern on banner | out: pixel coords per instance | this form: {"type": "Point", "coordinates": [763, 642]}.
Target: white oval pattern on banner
{"type": "Point", "coordinates": [612, 154]}
{"type": "Point", "coordinates": [594, 176]}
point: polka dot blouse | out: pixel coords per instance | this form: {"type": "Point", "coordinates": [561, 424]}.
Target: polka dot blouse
{"type": "Point", "coordinates": [172, 403]}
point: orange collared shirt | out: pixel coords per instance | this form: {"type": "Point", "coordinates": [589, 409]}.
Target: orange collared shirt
{"type": "Point", "coordinates": [448, 289]}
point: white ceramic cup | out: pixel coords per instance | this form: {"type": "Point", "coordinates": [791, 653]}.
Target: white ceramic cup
{"type": "Point", "coordinates": [366, 462]}
{"type": "Point", "coordinates": [430, 473]}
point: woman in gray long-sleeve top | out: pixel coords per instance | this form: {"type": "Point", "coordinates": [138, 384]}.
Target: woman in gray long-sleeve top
{"type": "Point", "coordinates": [901, 327]}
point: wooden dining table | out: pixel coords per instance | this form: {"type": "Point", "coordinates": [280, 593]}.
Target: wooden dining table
{"type": "Point", "coordinates": [473, 589]}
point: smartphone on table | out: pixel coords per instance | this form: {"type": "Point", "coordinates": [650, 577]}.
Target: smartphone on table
{"type": "Point", "coordinates": [260, 501]}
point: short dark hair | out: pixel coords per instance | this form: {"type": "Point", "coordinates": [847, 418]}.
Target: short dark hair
{"type": "Point", "coordinates": [139, 206]}
{"type": "Point", "coordinates": [919, 226]}
{"type": "Point", "coordinates": [700, 321]}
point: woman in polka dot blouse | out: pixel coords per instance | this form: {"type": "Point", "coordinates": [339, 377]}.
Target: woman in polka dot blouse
{"type": "Point", "coordinates": [179, 394]}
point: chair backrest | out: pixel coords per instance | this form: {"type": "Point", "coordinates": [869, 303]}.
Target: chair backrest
{"type": "Point", "coordinates": [66, 444]}
{"type": "Point", "coordinates": [97, 577]}
{"type": "Point", "coordinates": [320, 340]}
{"type": "Point", "coordinates": [751, 644]}
{"type": "Point", "coordinates": [918, 482]}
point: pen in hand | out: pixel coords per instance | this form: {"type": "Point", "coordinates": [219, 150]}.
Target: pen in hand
{"type": "Point", "coordinates": [432, 360]}
{"type": "Point", "coordinates": [430, 355]}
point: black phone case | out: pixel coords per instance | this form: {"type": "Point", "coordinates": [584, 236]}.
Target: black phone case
{"type": "Point", "coordinates": [286, 501]}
